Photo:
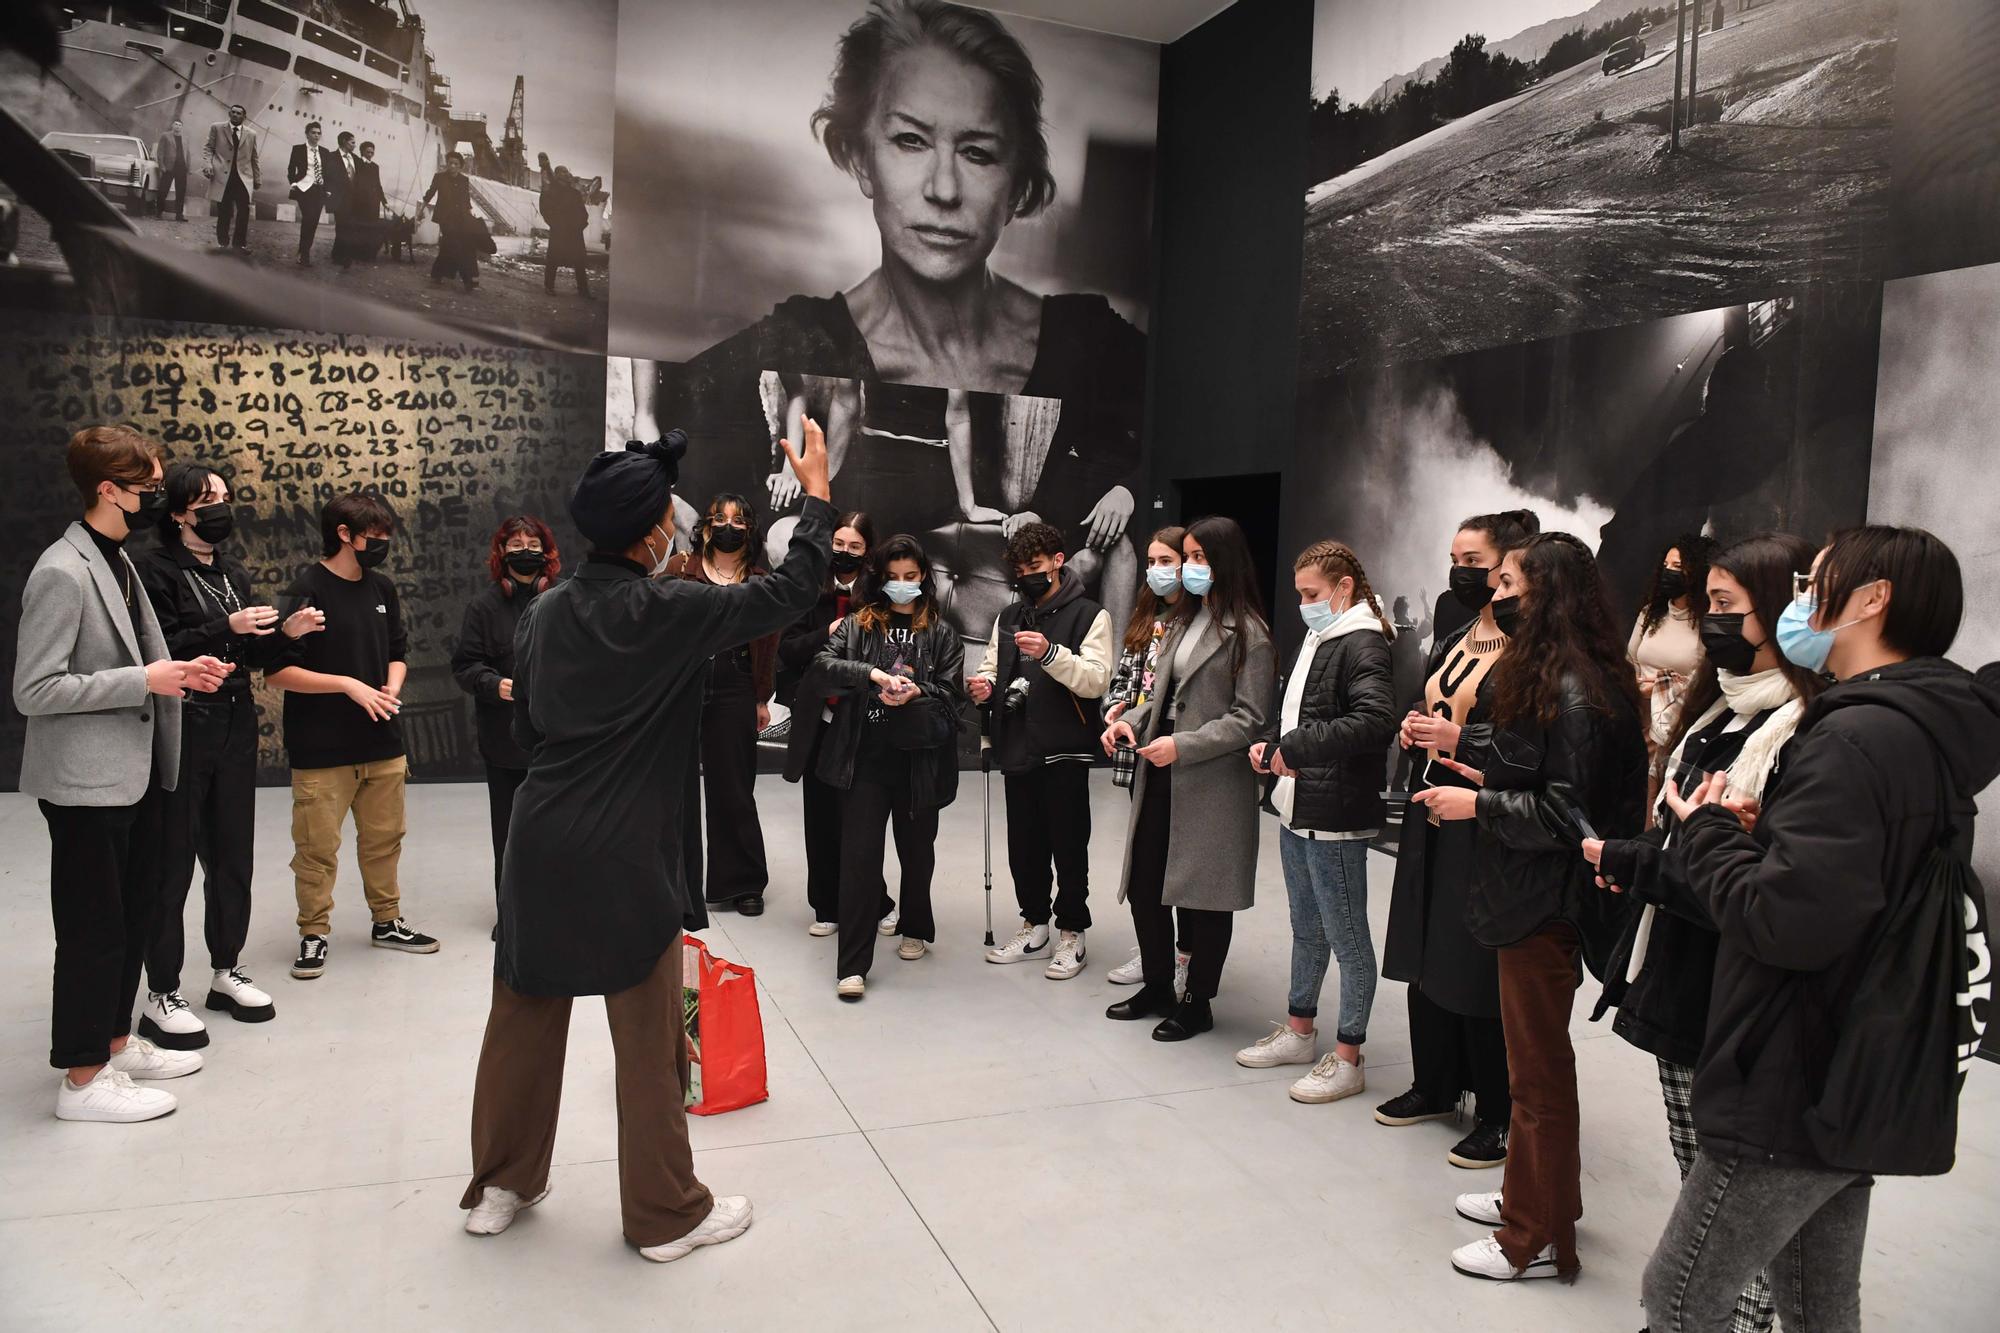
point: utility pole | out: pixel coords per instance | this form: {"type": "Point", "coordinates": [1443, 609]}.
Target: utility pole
{"type": "Point", "coordinates": [1694, 62]}
{"type": "Point", "coordinates": [1674, 115]}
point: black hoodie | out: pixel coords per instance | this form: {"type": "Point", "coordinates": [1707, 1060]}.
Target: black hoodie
{"type": "Point", "coordinates": [1857, 802]}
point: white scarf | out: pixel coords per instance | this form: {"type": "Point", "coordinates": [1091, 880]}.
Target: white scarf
{"type": "Point", "coordinates": [1746, 696]}
{"type": "Point", "coordinates": [1360, 617]}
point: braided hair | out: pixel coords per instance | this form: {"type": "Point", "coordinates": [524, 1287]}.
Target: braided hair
{"type": "Point", "coordinates": [1337, 561]}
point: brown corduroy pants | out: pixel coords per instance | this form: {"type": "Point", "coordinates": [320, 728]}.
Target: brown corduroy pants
{"type": "Point", "coordinates": [518, 1094]}
{"type": "Point", "coordinates": [1542, 1192]}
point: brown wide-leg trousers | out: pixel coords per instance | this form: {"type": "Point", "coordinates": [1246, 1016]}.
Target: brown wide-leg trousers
{"type": "Point", "coordinates": [518, 1094]}
{"type": "Point", "coordinates": [1542, 1195]}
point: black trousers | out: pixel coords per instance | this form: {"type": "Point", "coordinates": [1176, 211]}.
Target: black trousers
{"type": "Point", "coordinates": [870, 807]}
{"type": "Point", "coordinates": [822, 817]}
{"type": "Point", "coordinates": [1453, 1054]}
{"type": "Point", "coordinates": [1204, 935]}
{"type": "Point", "coordinates": [103, 891]}
{"type": "Point", "coordinates": [1048, 823]}
{"type": "Point", "coordinates": [501, 784]}
{"type": "Point", "coordinates": [736, 866]}
{"type": "Point", "coordinates": [549, 267]}
{"type": "Point", "coordinates": [176, 183]}
{"type": "Point", "coordinates": [234, 207]}
{"type": "Point", "coordinates": [311, 204]}
{"type": "Point", "coordinates": [211, 818]}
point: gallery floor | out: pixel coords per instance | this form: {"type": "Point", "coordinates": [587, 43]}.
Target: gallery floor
{"type": "Point", "coordinates": [971, 1147]}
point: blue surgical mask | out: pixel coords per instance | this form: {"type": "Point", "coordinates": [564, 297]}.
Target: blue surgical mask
{"type": "Point", "coordinates": [1801, 644]}
{"type": "Point", "coordinates": [1317, 615]}
{"type": "Point", "coordinates": [1163, 579]}
{"type": "Point", "coordinates": [902, 594]}
{"type": "Point", "coordinates": [1197, 579]}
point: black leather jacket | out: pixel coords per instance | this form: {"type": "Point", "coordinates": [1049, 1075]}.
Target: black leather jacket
{"type": "Point", "coordinates": [841, 670]}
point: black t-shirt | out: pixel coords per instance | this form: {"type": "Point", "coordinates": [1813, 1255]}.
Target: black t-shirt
{"type": "Point", "coordinates": [877, 760]}
{"type": "Point", "coordinates": [363, 635]}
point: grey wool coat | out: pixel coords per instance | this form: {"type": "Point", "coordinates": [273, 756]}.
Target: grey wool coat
{"type": "Point", "coordinates": [1212, 838]}
{"type": "Point", "coordinates": [95, 735]}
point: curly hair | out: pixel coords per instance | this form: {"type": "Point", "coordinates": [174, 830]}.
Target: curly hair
{"type": "Point", "coordinates": [1031, 541]}
{"type": "Point", "coordinates": [871, 608]}
{"type": "Point", "coordinates": [1697, 552]}
{"type": "Point", "coordinates": [522, 525]}
{"type": "Point", "coordinates": [1566, 632]}
{"type": "Point", "coordinates": [1336, 561]}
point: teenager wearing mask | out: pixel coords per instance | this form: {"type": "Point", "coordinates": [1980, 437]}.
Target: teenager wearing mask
{"type": "Point", "coordinates": [1153, 612]}
{"type": "Point", "coordinates": [1880, 777]}
{"type": "Point", "coordinates": [1665, 646]}
{"type": "Point", "coordinates": [1743, 705]}
{"type": "Point", "coordinates": [1047, 664]}
{"type": "Point", "coordinates": [853, 537]}
{"type": "Point", "coordinates": [1457, 1042]}
{"type": "Point", "coordinates": [521, 561]}
{"type": "Point", "coordinates": [201, 595]}
{"type": "Point", "coordinates": [897, 670]}
{"type": "Point", "coordinates": [736, 707]}
{"type": "Point", "coordinates": [1191, 842]}
{"type": "Point", "coordinates": [1566, 754]}
{"type": "Point", "coordinates": [1329, 758]}
{"type": "Point", "coordinates": [102, 700]}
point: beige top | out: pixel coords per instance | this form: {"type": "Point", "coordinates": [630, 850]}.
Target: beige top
{"type": "Point", "coordinates": [1453, 689]}
{"type": "Point", "coordinates": [1667, 657]}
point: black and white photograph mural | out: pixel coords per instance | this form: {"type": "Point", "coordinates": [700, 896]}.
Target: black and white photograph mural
{"type": "Point", "coordinates": [355, 162]}
{"type": "Point", "coordinates": [1485, 173]}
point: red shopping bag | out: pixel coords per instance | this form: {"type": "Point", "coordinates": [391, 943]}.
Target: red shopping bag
{"type": "Point", "coordinates": [725, 1032]}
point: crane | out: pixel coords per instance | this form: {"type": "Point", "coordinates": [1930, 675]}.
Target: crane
{"type": "Point", "coordinates": [514, 137]}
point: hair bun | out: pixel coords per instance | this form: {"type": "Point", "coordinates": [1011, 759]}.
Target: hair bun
{"type": "Point", "coordinates": [1530, 522]}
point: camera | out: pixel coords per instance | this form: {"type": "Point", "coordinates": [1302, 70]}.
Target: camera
{"type": "Point", "coordinates": [1017, 694]}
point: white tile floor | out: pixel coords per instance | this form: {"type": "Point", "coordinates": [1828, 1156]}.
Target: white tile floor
{"type": "Point", "coordinates": [972, 1147]}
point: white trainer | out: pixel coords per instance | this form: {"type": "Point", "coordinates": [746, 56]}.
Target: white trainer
{"type": "Point", "coordinates": [167, 1019]}
{"type": "Point", "coordinates": [887, 925]}
{"type": "Point", "coordinates": [1280, 1046]}
{"type": "Point", "coordinates": [111, 1098]}
{"type": "Point", "coordinates": [232, 992]}
{"type": "Point", "coordinates": [1330, 1080]}
{"type": "Point", "coordinates": [1128, 973]}
{"type": "Point", "coordinates": [822, 929]}
{"type": "Point", "coordinates": [1485, 1259]}
{"type": "Point", "coordinates": [910, 950]}
{"type": "Point", "coordinates": [141, 1059]}
{"type": "Point", "coordinates": [1028, 942]}
{"type": "Point", "coordinates": [852, 988]}
{"type": "Point", "coordinates": [1481, 1208]}
{"type": "Point", "coordinates": [497, 1209]}
{"type": "Point", "coordinates": [1070, 956]}
{"type": "Point", "coordinates": [729, 1219]}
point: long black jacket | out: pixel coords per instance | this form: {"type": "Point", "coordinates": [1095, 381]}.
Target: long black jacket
{"type": "Point", "coordinates": [1340, 746]}
{"type": "Point", "coordinates": [609, 670]}
{"type": "Point", "coordinates": [841, 670]}
{"type": "Point", "coordinates": [1861, 795]}
{"type": "Point", "coordinates": [193, 602]}
{"type": "Point", "coordinates": [482, 658]}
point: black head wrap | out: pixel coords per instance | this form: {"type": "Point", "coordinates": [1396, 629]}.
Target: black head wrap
{"type": "Point", "coordinates": [623, 493]}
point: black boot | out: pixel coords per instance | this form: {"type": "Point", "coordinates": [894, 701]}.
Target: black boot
{"type": "Point", "coordinates": [1190, 1018]}
{"type": "Point", "coordinates": [1145, 1003]}
{"type": "Point", "coordinates": [750, 905]}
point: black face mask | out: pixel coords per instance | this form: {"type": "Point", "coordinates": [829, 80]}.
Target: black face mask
{"type": "Point", "coordinates": [726, 539]}
{"type": "Point", "coordinates": [1722, 639]}
{"type": "Point", "coordinates": [1507, 614]}
{"type": "Point", "coordinates": [151, 505]}
{"type": "Point", "coordinates": [1469, 586]}
{"type": "Point", "coordinates": [1033, 587]}
{"type": "Point", "coordinates": [1673, 584]}
{"type": "Point", "coordinates": [214, 523]}
{"type": "Point", "coordinates": [845, 564]}
{"type": "Point", "coordinates": [525, 563]}
{"type": "Point", "coordinates": [374, 553]}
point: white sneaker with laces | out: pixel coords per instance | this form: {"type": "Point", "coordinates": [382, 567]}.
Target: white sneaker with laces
{"type": "Point", "coordinates": [141, 1059]}
{"type": "Point", "coordinates": [852, 988]}
{"type": "Point", "coordinates": [111, 1098]}
{"type": "Point", "coordinates": [497, 1209]}
{"type": "Point", "coordinates": [1280, 1046]}
{"type": "Point", "coordinates": [822, 929]}
{"type": "Point", "coordinates": [1028, 941]}
{"type": "Point", "coordinates": [1128, 973]}
{"type": "Point", "coordinates": [1481, 1208]}
{"type": "Point", "coordinates": [1330, 1080]}
{"type": "Point", "coordinates": [1485, 1259]}
{"type": "Point", "coordinates": [910, 950]}
{"type": "Point", "coordinates": [888, 924]}
{"type": "Point", "coordinates": [233, 992]}
{"type": "Point", "coordinates": [168, 1020]}
{"type": "Point", "coordinates": [729, 1219]}
{"type": "Point", "coordinates": [1070, 956]}
{"type": "Point", "coordinates": [1180, 974]}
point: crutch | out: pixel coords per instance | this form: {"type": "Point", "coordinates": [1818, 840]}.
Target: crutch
{"type": "Point", "coordinates": [986, 813]}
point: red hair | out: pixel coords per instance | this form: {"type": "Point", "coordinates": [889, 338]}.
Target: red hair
{"type": "Point", "coordinates": [522, 525]}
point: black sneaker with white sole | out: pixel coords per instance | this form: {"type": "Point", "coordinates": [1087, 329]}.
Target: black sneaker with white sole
{"type": "Point", "coordinates": [312, 957]}
{"type": "Point", "coordinates": [1413, 1108]}
{"type": "Point", "coordinates": [398, 935]}
{"type": "Point", "coordinates": [1485, 1146]}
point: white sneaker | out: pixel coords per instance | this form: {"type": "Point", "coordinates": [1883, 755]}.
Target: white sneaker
{"type": "Point", "coordinates": [852, 988]}
{"type": "Point", "coordinates": [168, 1020]}
{"type": "Point", "coordinates": [822, 929]}
{"type": "Point", "coordinates": [1481, 1208]}
{"type": "Point", "coordinates": [1330, 1080]}
{"type": "Point", "coordinates": [887, 926]}
{"type": "Point", "coordinates": [232, 992]}
{"type": "Point", "coordinates": [1180, 974]}
{"type": "Point", "coordinates": [1028, 941]}
{"type": "Point", "coordinates": [141, 1059]}
{"type": "Point", "coordinates": [1484, 1258]}
{"type": "Point", "coordinates": [1070, 956]}
{"type": "Point", "coordinates": [729, 1219]}
{"type": "Point", "coordinates": [497, 1209]}
{"type": "Point", "coordinates": [1280, 1046]}
{"type": "Point", "coordinates": [111, 1098]}
{"type": "Point", "coordinates": [910, 950]}
{"type": "Point", "coordinates": [1128, 973]}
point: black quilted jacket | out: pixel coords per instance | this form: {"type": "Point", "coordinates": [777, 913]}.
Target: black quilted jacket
{"type": "Point", "coordinates": [1341, 745]}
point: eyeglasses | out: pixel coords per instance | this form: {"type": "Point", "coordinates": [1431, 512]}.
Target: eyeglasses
{"type": "Point", "coordinates": [151, 488]}
{"type": "Point", "coordinates": [1802, 586]}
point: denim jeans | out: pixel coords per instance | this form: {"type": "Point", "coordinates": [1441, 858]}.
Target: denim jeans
{"type": "Point", "coordinates": [1327, 882]}
{"type": "Point", "coordinates": [1804, 1226]}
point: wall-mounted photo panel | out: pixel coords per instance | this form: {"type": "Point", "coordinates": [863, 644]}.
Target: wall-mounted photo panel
{"type": "Point", "coordinates": [1945, 211]}
{"type": "Point", "coordinates": [454, 436]}
{"type": "Point", "coordinates": [345, 165]}
{"type": "Point", "coordinates": [1483, 173]}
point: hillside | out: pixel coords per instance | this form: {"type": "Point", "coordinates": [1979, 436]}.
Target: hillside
{"type": "Point", "coordinates": [1528, 45]}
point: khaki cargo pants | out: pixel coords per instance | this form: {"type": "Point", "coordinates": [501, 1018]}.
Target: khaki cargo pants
{"type": "Point", "coordinates": [321, 799]}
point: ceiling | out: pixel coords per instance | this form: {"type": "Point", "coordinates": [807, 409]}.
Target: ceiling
{"type": "Point", "coordinates": [1153, 20]}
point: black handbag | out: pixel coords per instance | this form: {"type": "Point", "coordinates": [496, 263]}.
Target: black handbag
{"type": "Point", "coordinates": [924, 723]}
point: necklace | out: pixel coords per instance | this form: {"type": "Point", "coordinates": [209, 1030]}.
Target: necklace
{"type": "Point", "coordinates": [1474, 644]}
{"type": "Point", "coordinates": [717, 576]}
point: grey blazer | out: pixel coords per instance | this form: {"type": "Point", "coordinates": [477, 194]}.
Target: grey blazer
{"type": "Point", "coordinates": [1213, 835]}
{"type": "Point", "coordinates": [94, 733]}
